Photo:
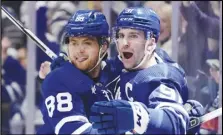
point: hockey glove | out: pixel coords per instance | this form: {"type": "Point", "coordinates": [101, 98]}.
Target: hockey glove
{"type": "Point", "coordinates": [194, 109]}
{"type": "Point", "coordinates": [119, 116]}
{"type": "Point", "coordinates": [59, 61]}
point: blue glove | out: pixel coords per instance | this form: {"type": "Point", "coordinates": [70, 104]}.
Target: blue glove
{"type": "Point", "coordinates": [119, 116]}
{"type": "Point", "coordinates": [194, 109]}
{"type": "Point", "coordinates": [59, 61]}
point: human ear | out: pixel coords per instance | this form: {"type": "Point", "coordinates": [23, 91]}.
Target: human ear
{"type": "Point", "coordinates": [151, 45]}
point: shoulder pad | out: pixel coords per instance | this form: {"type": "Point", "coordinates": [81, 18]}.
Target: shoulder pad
{"type": "Point", "coordinates": [69, 76]}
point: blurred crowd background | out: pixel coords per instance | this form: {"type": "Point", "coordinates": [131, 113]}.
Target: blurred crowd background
{"type": "Point", "coordinates": [197, 50]}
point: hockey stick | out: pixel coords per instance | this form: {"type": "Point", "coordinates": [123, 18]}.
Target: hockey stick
{"type": "Point", "coordinates": [198, 121]}
{"type": "Point", "coordinates": [29, 33]}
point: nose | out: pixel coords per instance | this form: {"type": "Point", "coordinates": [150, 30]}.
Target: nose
{"type": "Point", "coordinates": [81, 48]}
{"type": "Point", "coordinates": [125, 43]}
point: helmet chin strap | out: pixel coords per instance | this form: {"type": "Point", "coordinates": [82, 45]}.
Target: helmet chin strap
{"type": "Point", "coordinates": [146, 54]}
{"type": "Point", "coordinates": [99, 59]}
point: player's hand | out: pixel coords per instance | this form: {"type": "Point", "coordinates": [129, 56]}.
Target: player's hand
{"type": "Point", "coordinates": [59, 61]}
{"type": "Point", "coordinates": [119, 116]}
{"type": "Point", "coordinates": [44, 69]}
{"type": "Point", "coordinates": [194, 109]}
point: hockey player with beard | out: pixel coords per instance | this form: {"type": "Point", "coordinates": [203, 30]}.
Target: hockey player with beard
{"type": "Point", "coordinates": [67, 89]}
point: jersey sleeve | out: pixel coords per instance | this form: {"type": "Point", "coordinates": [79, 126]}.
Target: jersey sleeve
{"type": "Point", "coordinates": [166, 111]}
{"type": "Point", "coordinates": [63, 108]}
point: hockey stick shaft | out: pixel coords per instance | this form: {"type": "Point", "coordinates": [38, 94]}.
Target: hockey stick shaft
{"type": "Point", "coordinates": [29, 33]}
{"type": "Point", "coordinates": [211, 115]}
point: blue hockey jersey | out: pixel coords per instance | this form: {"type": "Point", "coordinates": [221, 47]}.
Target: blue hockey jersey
{"type": "Point", "coordinates": [163, 89]}
{"type": "Point", "coordinates": [13, 82]}
{"type": "Point", "coordinates": [14, 71]}
{"type": "Point", "coordinates": [63, 109]}
{"type": "Point", "coordinates": [68, 95]}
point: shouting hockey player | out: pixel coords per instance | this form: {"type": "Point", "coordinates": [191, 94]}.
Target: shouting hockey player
{"type": "Point", "coordinates": [152, 92]}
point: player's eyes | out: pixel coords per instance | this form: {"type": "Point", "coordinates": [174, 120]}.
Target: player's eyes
{"type": "Point", "coordinates": [120, 36]}
{"type": "Point", "coordinates": [133, 36]}
{"type": "Point", "coordinates": [87, 43]}
{"type": "Point", "coordinates": [73, 43]}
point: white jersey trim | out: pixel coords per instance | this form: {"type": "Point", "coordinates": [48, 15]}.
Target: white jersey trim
{"type": "Point", "coordinates": [82, 128]}
{"type": "Point", "coordinates": [10, 92]}
{"type": "Point", "coordinates": [69, 119]}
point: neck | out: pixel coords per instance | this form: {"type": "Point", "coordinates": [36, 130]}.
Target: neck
{"type": "Point", "coordinates": [95, 73]}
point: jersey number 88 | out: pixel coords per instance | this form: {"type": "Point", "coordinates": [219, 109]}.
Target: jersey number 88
{"type": "Point", "coordinates": [64, 103]}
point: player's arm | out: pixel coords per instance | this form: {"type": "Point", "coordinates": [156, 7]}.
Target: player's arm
{"type": "Point", "coordinates": [63, 107]}
{"type": "Point", "coordinates": [164, 113]}
{"type": "Point", "coordinates": [46, 67]}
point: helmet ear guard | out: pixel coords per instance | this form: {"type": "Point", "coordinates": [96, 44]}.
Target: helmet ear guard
{"type": "Point", "coordinates": [150, 34]}
{"type": "Point", "coordinates": [66, 40]}
{"type": "Point", "coordinates": [102, 41]}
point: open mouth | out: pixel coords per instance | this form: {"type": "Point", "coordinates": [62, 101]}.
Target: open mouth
{"type": "Point", "coordinates": [127, 55]}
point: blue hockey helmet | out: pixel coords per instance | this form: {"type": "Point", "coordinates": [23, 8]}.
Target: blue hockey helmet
{"type": "Point", "coordinates": [139, 18]}
{"type": "Point", "coordinates": [87, 23]}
